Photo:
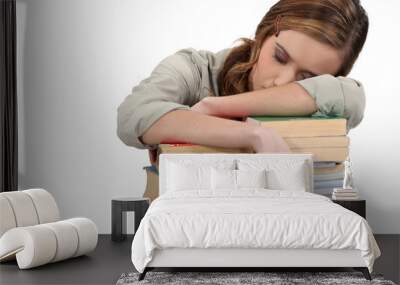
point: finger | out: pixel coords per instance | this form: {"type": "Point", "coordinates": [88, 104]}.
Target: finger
{"type": "Point", "coordinates": [252, 121]}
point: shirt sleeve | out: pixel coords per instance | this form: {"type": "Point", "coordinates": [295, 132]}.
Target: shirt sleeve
{"type": "Point", "coordinates": [172, 85]}
{"type": "Point", "coordinates": [337, 96]}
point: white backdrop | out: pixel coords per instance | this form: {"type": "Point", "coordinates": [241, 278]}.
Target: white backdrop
{"type": "Point", "coordinates": [78, 59]}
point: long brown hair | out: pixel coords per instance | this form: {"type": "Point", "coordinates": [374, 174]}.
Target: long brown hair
{"type": "Point", "coordinates": [342, 24]}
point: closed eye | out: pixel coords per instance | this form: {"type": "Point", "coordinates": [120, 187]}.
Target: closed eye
{"type": "Point", "coordinates": [283, 62]}
{"type": "Point", "coordinates": [282, 57]}
{"type": "Point", "coordinates": [278, 59]}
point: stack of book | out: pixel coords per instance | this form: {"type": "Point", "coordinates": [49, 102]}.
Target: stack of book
{"type": "Point", "coordinates": [327, 176]}
{"type": "Point", "coordinates": [325, 137]}
{"type": "Point", "coordinates": [345, 194]}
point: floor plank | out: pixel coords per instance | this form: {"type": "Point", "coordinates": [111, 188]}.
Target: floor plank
{"type": "Point", "coordinates": [102, 266]}
{"type": "Point", "coordinates": [111, 259]}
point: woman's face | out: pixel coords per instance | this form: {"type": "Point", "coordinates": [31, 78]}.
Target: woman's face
{"type": "Point", "coordinates": [290, 57]}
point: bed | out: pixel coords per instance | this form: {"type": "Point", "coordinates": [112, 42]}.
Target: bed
{"type": "Point", "coordinates": [247, 210]}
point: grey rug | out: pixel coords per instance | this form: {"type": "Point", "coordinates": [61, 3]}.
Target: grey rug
{"type": "Point", "coordinates": [230, 278]}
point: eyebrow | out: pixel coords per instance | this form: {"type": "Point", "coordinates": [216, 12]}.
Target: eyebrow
{"type": "Point", "coordinates": [288, 55]}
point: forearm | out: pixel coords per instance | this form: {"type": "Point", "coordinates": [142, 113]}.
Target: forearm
{"type": "Point", "coordinates": [286, 100]}
{"type": "Point", "coordinates": [197, 128]}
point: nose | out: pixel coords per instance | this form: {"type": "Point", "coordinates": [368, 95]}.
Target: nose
{"type": "Point", "coordinates": [284, 77]}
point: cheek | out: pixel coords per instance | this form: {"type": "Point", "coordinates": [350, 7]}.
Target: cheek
{"type": "Point", "coordinates": [263, 72]}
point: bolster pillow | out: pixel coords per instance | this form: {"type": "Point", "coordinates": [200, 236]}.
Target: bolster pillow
{"type": "Point", "coordinates": [51, 242]}
{"type": "Point", "coordinates": [27, 208]}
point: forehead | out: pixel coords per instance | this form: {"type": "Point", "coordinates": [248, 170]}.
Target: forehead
{"type": "Point", "coordinates": [309, 54]}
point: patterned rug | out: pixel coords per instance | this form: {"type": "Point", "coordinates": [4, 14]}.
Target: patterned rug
{"type": "Point", "coordinates": [270, 278]}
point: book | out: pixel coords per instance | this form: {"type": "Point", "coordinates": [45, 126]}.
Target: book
{"type": "Point", "coordinates": [345, 198]}
{"type": "Point", "coordinates": [303, 126]}
{"type": "Point", "coordinates": [322, 136]}
{"type": "Point", "coordinates": [328, 183]}
{"type": "Point", "coordinates": [335, 154]}
{"type": "Point", "coordinates": [332, 168]}
{"type": "Point", "coordinates": [323, 191]}
{"type": "Point", "coordinates": [194, 148]}
{"type": "Point", "coordinates": [152, 187]}
{"type": "Point", "coordinates": [345, 194]}
{"type": "Point", "coordinates": [319, 153]}
{"type": "Point", "coordinates": [292, 142]}
{"type": "Point", "coordinates": [328, 176]}
{"type": "Point", "coordinates": [343, 191]}
{"type": "Point", "coordinates": [324, 164]}
{"type": "Point", "coordinates": [309, 142]}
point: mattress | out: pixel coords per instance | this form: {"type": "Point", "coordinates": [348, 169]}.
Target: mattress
{"type": "Point", "coordinates": [250, 219]}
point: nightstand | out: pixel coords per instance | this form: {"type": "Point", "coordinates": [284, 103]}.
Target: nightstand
{"type": "Point", "coordinates": [119, 207]}
{"type": "Point", "coordinates": [357, 206]}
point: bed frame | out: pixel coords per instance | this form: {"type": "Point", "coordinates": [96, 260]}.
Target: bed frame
{"type": "Point", "coordinates": [240, 259]}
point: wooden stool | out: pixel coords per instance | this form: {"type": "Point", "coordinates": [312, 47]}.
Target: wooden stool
{"type": "Point", "coordinates": [119, 207]}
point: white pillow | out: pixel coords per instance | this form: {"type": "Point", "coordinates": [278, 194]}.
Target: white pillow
{"type": "Point", "coordinates": [293, 181]}
{"type": "Point", "coordinates": [251, 178]}
{"type": "Point", "coordinates": [227, 179]}
{"type": "Point", "coordinates": [223, 179]}
{"type": "Point", "coordinates": [281, 174]}
{"type": "Point", "coordinates": [181, 178]}
{"type": "Point", "coordinates": [185, 175]}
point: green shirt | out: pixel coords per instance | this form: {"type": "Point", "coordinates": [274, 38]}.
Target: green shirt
{"type": "Point", "coordinates": [184, 78]}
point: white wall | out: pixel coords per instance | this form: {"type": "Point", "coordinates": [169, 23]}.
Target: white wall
{"type": "Point", "coordinates": [78, 59]}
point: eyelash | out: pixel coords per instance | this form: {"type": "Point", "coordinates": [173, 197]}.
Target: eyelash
{"type": "Point", "coordinates": [278, 59]}
{"type": "Point", "coordinates": [281, 61]}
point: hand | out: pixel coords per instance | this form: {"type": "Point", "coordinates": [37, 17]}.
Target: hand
{"type": "Point", "coordinates": [268, 140]}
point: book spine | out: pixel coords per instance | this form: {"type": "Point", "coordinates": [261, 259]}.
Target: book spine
{"type": "Point", "coordinates": [291, 129]}
{"type": "Point", "coordinates": [319, 154]}
{"type": "Point", "coordinates": [325, 154]}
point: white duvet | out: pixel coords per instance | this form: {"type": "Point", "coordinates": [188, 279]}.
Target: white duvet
{"type": "Point", "coordinates": [251, 218]}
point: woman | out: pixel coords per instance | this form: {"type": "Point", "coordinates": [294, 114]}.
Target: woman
{"type": "Point", "coordinates": [295, 65]}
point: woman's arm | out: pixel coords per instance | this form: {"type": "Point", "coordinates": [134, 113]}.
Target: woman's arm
{"type": "Point", "coordinates": [321, 95]}
{"type": "Point", "coordinates": [286, 100]}
{"type": "Point", "coordinates": [197, 128]}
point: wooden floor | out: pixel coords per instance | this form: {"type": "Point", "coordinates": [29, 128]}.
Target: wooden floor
{"type": "Point", "coordinates": [111, 259]}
